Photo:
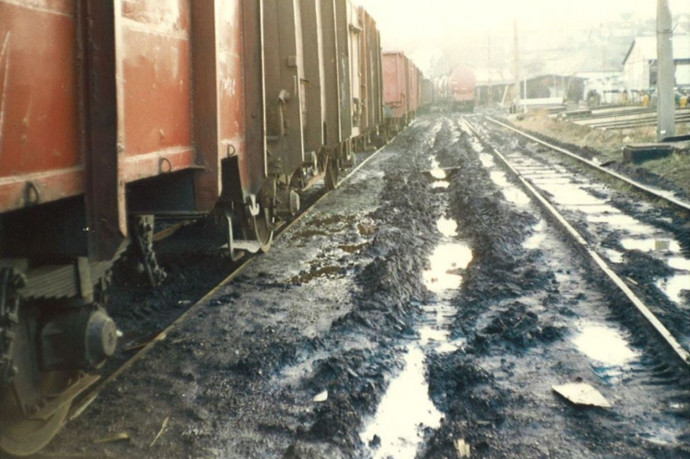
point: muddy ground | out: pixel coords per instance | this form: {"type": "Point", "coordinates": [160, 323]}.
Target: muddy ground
{"type": "Point", "coordinates": [343, 341]}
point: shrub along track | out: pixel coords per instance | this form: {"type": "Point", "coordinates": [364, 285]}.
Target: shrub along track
{"type": "Point", "coordinates": [294, 355]}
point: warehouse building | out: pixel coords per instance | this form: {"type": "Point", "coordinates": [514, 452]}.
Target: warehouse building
{"type": "Point", "coordinates": [640, 63]}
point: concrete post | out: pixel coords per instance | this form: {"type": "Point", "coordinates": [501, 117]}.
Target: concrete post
{"type": "Point", "coordinates": [666, 72]}
{"type": "Point", "coordinates": [516, 68]}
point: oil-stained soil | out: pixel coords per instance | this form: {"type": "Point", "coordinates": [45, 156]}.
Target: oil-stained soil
{"type": "Point", "coordinates": [308, 352]}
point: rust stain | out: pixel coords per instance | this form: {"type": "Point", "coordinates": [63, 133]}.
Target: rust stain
{"type": "Point", "coordinates": [4, 74]}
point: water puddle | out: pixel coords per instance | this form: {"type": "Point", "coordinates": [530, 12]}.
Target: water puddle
{"type": "Point", "coordinates": [638, 235]}
{"type": "Point", "coordinates": [674, 285]}
{"type": "Point", "coordinates": [438, 173]}
{"type": "Point", "coordinates": [406, 411]}
{"type": "Point", "coordinates": [614, 256]}
{"type": "Point", "coordinates": [538, 236]}
{"type": "Point", "coordinates": [604, 344]}
{"type": "Point", "coordinates": [443, 184]}
{"type": "Point", "coordinates": [651, 245]}
{"type": "Point", "coordinates": [447, 226]}
{"type": "Point", "coordinates": [405, 408]}
{"type": "Point", "coordinates": [511, 192]}
{"type": "Point", "coordinates": [487, 160]}
{"type": "Point", "coordinates": [447, 263]}
{"type": "Point", "coordinates": [573, 195]}
{"type": "Point", "coordinates": [608, 348]}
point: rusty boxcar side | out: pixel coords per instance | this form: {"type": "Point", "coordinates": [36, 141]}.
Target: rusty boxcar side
{"type": "Point", "coordinates": [402, 86]}
{"type": "Point", "coordinates": [113, 111]}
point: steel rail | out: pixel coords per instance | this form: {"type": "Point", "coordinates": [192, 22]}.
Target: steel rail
{"type": "Point", "coordinates": [647, 189]}
{"type": "Point", "coordinates": [92, 393]}
{"type": "Point", "coordinates": [674, 346]}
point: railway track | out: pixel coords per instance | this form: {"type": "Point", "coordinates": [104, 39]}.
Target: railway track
{"type": "Point", "coordinates": [141, 348]}
{"type": "Point", "coordinates": [567, 197]}
{"type": "Point", "coordinates": [657, 193]}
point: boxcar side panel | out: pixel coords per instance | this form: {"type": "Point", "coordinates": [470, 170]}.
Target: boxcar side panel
{"type": "Point", "coordinates": [396, 83]}
{"type": "Point", "coordinates": [357, 72]}
{"type": "Point", "coordinates": [332, 101]}
{"type": "Point", "coordinates": [313, 75]}
{"type": "Point", "coordinates": [344, 90]}
{"type": "Point", "coordinates": [253, 164]}
{"type": "Point", "coordinates": [283, 84]}
{"type": "Point", "coordinates": [231, 93]}
{"type": "Point", "coordinates": [40, 158]}
{"type": "Point", "coordinates": [154, 87]}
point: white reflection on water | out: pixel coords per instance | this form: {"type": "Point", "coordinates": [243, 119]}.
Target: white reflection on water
{"type": "Point", "coordinates": [404, 409]}
{"type": "Point", "coordinates": [605, 345]}
{"type": "Point", "coordinates": [446, 263]}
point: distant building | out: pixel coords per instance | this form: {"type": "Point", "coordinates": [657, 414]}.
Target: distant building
{"type": "Point", "coordinates": [605, 87]}
{"type": "Point", "coordinates": [493, 87]}
{"type": "Point", "coordinates": [640, 63]}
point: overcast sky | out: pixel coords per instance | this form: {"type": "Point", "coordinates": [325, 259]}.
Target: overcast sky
{"type": "Point", "coordinates": [416, 26]}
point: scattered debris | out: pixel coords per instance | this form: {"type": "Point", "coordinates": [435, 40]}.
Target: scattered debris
{"type": "Point", "coordinates": [375, 442]}
{"type": "Point", "coordinates": [462, 447]}
{"type": "Point", "coordinates": [366, 229]}
{"type": "Point", "coordinates": [117, 437]}
{"type": "Point", "coordinates": [160, 432]}
{"type": "Point", "coordinates": [321, 397]}
{"type": "Point", "coordinates": [581, 394]}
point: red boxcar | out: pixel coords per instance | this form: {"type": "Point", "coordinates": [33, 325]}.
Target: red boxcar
{"type": "Point", "coordinates": [111, 112]}
{"type": "Point", "coordinates": [395, 84]}
{"type": "Point", "coordinates": [427, 92]}
{"type": "Point", "coordinates": [372, 85]}
{"type": "Point", "coordinates": [402, 86]}
{"type": "Point", "coordinates": [414, 88]}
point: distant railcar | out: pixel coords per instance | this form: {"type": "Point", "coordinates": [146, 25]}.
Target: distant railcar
{"type": "Point", "coordinates": [118, 113]}
{"type": "Point", "coordinates": [461, 85]}
{"type": "Point", "coordinates": [402, 90]}
{"type": "Point", "coordinates": [427, 92]}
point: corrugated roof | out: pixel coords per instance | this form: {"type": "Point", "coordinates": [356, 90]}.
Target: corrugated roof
{"type": "Point", "coordinates": [647, 45]}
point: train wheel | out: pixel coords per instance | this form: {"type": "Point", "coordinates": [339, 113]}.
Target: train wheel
{"type": "Point", "coordinates": [330, 178]}
{"type": "Point", "coordinates": [348, 157]}
{"type": "Point", "coordinates": [26, 425]}
{"type": "Point", "coordinates": [22, 436]}
{"type": "Point", "coordinates": [262, 225]}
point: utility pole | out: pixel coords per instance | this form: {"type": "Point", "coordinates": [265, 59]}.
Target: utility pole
{"type": "Point", "coordinates": [666, 105]}
{"type": "Point", "coordinates": [490, 90]}
{"type": "Point", "coordinates": [516, 67]}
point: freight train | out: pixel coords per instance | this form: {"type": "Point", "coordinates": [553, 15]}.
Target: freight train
{"type": "Point", "coordinates": [118, 114]}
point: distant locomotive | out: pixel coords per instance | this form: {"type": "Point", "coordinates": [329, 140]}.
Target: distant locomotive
{"type": "Point", "coordinates": [456, 90]}
{"type": "Point", "coordinates": [114, 114]}
{"type": "Point", "coordinates": [462, 82]}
